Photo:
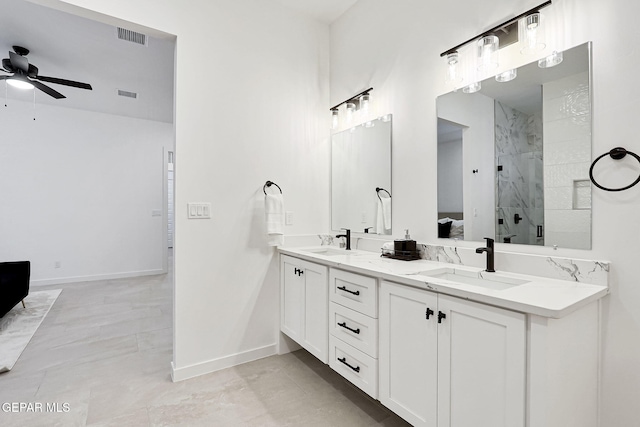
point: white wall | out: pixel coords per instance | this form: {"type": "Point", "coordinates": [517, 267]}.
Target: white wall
{"type": "Point", "coordinates": [450, 188]}
{"type": "Point", "coordinates": [395, 48]}
{"type": "Point", "coordinates": [252, 100]}
{"type": "Point", "coordinates": [79, 188]}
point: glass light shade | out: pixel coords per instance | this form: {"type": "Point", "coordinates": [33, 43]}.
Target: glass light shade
{"type": "Point", "coordinates": [531, 32]}
{"type": "Point", "coordinates": [20, 84]}
{"type": "Point", "coordinates": [550, 61]}
{"type": "Point", "coordinates": [365, 101]}
{"type": "Point", "coordinates": [472, 88]}
{"type": "Point", "coordinates": [351, 109]}
{"type": "Point", "coordinates": [454, 72]}
{"type": "Point", "coordinates": [507, 76]}
{"type": "Point", "coordinates": [334, 119]}
{"type": "Point", "coordinates": [488, 53]}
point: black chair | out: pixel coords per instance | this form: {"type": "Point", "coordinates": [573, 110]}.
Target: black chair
{"type": "Point", "coordinates": [14, 284]}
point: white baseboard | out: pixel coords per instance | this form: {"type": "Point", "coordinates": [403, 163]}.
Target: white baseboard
{"type": "Point", "coordinates": [75, 279]}
{"type": "Point", "coordinates": [186, 372]}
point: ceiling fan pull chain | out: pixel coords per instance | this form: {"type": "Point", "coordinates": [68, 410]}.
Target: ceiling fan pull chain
{"type": "Point", "coordinates": [5, 93]}
{"type": "Point", "coordinates": [34, 105]}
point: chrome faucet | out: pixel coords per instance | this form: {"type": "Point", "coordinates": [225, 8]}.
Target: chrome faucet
{"type": "Point", "coordinates": [489, 250]}
{"type": "Point", "coordinates": [348, 236]}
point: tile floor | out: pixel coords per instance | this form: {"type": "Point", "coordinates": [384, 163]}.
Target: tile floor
{"type": "Point", "coordinates": [105, 350]}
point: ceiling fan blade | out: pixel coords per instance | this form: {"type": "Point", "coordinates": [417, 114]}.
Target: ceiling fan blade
{"type": "Point", "coordinates": [64, 82]}
{"type": "Point", "coordinates": [19, 62]}
{"type": "Point", "coordinates": [46, 89]}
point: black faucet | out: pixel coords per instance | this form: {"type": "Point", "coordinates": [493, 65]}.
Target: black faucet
{"type": "Point", "coordinates": [348, 236]}
{"type": "Point", "coordinates": [489, 251]}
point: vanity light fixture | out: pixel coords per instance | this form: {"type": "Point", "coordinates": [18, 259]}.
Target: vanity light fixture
{"type": "Point", "coordinates": [364, 101]}
{"type": "Point", "coordinates": [551, 61]}
{"type": "Point", "coordinates": [334, 118]}
{"type": "Point", "coordinates": [507, 76]}
{"type": "Point", "coordinates": [454, 73]}
{"type": "Point", "coordinates": [531, 35]}
{"type": "Point", "coordinates": [488, 52]}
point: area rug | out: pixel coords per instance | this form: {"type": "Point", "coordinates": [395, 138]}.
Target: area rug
{"type": "Point", "coordinates": [20, 324]}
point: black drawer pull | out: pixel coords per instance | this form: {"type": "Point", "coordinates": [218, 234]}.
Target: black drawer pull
{"type": "Point", "coordinates": [441, 316]}
{"type": "Point", "coordinates": [344, 360]}
{"type": "Point", "coordinates": [344, 325]}
{"type": "Point", "coordinates": [429, 313]}
{"type": "Point", "coordinates": [342, 288]}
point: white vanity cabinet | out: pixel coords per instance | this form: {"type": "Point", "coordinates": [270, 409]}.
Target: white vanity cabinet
{"type": "Point", "coordinates": [353, 326]}
{"type": "Point", "coordinates": [448, 362]}
{"type": "Point", "coordinates": [304, 304]}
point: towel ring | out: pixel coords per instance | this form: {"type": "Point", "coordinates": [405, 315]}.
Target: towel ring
{"type": "Point", "coordinates": [379, 189]}
{"type": "Point", "coordinates": [269, 184]}
{"type": "Point", "coordinates": [616, 154]}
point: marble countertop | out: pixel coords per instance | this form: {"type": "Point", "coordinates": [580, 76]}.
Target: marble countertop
{"type": "Point", "coordinates": [528, 294]}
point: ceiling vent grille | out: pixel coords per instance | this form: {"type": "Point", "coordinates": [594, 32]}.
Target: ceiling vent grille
{"type": "Point", "coordinates": [127, 94]}
{"type": "Point", "coordinates": [132, 36]}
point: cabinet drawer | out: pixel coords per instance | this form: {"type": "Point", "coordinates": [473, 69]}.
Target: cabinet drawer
{"type": "Point", "coordinates": [354, 365]}
{"type": "Point", "coordinates": [354, 291]}
{"type": "Point", "coordinates": [354, 328]}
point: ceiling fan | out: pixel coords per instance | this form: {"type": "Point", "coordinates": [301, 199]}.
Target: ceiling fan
{"type": "Point", "coordinates": [25, 74]}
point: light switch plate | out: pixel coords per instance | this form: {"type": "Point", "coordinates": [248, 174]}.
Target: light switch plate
{"type": "Point", "coordinates": [288, 218]}
{"type": "Point", "coordinates": [199, 210]}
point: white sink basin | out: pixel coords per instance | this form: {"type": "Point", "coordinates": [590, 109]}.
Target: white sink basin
{"type": "Point", "coordinates": [483, 279]}
{"type": "Point", "coordinates": [327, 251]}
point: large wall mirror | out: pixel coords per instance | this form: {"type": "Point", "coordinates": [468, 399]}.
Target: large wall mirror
{"type": "Point", "coordinates": [361, 177]}
{"type": "Point", "coordinates": [513, 158]}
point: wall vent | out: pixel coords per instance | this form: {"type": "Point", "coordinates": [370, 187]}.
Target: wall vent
{"type": "Point", "coordinates": [132, 36]}
{"type": "Point", "coordinates": [127, 94]}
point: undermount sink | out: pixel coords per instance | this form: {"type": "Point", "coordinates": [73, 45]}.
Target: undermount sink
{"type": "Point", "coordinates": [327, 251]}
{"type": "Point", "coordinates": [483, 279]}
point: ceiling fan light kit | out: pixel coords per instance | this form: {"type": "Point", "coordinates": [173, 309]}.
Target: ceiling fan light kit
{"type": "Point", "coordinates": [25, 75]}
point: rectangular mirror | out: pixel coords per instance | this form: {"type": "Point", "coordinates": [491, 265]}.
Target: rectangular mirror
{"type": "Point", "coordinates": [514, 158]}
{"type": "Point", "coordinates": [361, 177]}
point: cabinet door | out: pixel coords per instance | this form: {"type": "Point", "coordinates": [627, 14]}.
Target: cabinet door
{"type": "Point", "coordinates": [316, 310]}
{"type": "Point", "coordinates": [481, 365]}
{"type": "Point", "coordinates": [291, 299]}
{"type": "Point", "coordinates": [408, 353]}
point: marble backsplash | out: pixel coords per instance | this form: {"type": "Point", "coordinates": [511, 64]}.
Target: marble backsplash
{"type": "Point", "coordinates": [553, 267]}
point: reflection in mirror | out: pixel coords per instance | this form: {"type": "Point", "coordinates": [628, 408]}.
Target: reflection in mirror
{"type": "Point", "coordinates": [361, 177]}
{"type": "Point", "coordinates": [513, 159]}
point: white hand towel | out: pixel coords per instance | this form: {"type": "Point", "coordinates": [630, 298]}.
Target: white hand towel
{"type": "Point", "coordinates": [386, 212]}
{"type": "Point", "coordinates": [274, 219]}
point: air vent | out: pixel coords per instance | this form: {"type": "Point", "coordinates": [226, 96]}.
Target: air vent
{"type": "Point", "coordinates": [127, 94]}
{"type": "Point", "coordinates": [132, 36]}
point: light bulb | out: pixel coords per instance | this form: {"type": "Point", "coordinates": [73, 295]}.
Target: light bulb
{"type": "Point", "coordinates": [532, 34]}
{"type": "Point", "coordinates": [488, 52]}
{"type": "Point", "coordinates": [550, 61]}
{"type": "Point", "coordinates": [472, 88]}
{"type": "Point", "coordinates": [507, 76]}
{"type": "Point", "coordinates": [453, 68]}
{"type": "Point", "coordinates": [334, 119]}
{"type": "Point", "coordinates": [351, 109]}
{"type": "Point", "coordinates": [365, 101]}
{"type": "Point", "coordinates": [20, 84]}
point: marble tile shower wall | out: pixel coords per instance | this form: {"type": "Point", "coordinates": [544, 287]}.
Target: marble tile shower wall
{"type": "Point", "coordinates": [567, 157]}
{"type": "Point", "coordinates": [519, 187]}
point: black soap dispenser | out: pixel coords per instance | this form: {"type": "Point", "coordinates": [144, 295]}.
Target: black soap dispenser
{"type": "Point", "coordinates": [404, 245]}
